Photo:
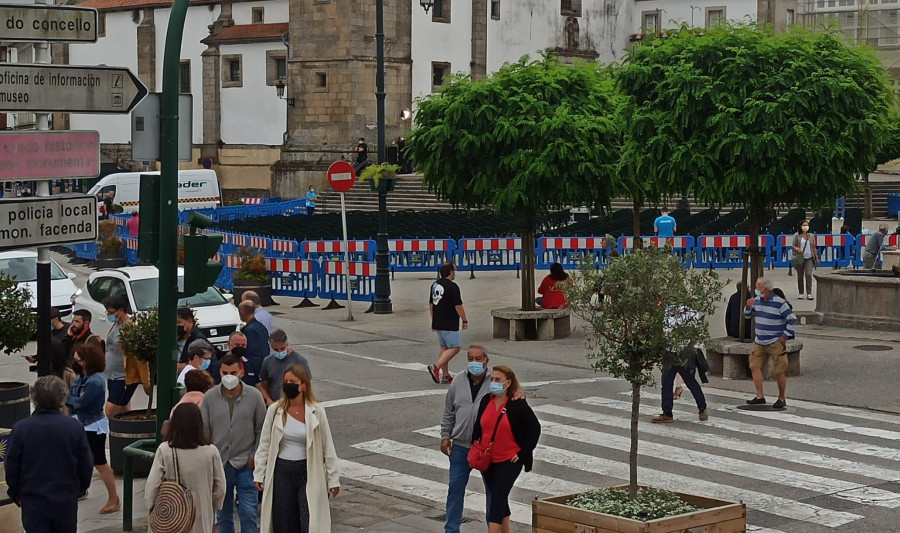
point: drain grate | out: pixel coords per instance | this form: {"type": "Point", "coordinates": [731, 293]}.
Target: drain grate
{"type": "Point", "coordinates": [873, 348]}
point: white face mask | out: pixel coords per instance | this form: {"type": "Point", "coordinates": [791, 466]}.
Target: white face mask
{"type": "Point", "coordinates": [230, 382]}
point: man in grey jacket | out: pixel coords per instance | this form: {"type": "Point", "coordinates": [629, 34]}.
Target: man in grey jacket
{"type": "Point", "coordinates": [233, 416]}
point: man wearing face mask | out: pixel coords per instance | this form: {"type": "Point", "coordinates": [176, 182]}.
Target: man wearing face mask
{"type": "Point", "coordinates": [276, 364]}
{"type": "Point", "coordinates": [460, 406]}
{"type": "Point", "coordinates": [774, 326]}
{"type": "Point", "coordinates": [233, 416]}
{"type": "Point", "coordinates": [188, 332]}
{"type": "Point", "coordinates": [257, 342]}
{"type": "Point", "coordinates": [201, 353]}
{"type": "Point", "coordinates": [78, 333]}
{"type": "Point", "coordinates": [119, 392]}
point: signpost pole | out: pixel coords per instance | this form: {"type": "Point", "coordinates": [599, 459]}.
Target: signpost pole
{"type": "Point", "coordinates": [42, 122]}
{"type": "Point", "coordinates": [168, 216]}
{"type": "Point", "coordinates": [346, 259]}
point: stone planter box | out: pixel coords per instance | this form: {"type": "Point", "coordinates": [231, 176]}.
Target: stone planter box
{"type": "Point", "coordinates": [261, 288]}
{"type": "Point", "coordinates": [552, 515]}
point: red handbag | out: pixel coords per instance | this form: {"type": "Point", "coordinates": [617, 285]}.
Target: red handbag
{"type": "Point", "coordinates": [480, 454]}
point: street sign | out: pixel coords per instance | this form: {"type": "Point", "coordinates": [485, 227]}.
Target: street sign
{"type": "Point", "coordinates": [28, 222]}
{"type": "Point", "coordinates": [68, 89]}
{"type": "Point", "coordinates": [145, 125]}
{"type": "Point", "coordinates": [48, 23]}
{"type": "Point", "coordinates": [341, 176]}
{"type": "Point", "coordinates": [31, 155]}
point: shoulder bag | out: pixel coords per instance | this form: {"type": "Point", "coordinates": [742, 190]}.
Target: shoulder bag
{"type": "Point", "coordinates": [480, 453]}
{"type": "Point", "coordinates": [797, 259]}
{"type": "Point", "coordinates": [174, 510]}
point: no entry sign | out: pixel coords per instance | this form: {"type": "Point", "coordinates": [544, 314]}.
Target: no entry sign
{"type": "Point", "coordinates": [341, 176]}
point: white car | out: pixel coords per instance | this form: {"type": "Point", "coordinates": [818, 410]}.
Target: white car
{"type": "Point", "coordinates": [216, 316]}
{"type": "Point", "coordinates": [22, 265]}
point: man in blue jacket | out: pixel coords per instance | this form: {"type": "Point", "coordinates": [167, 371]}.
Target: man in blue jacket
{"type": "Point", "coordinates": [49, 462]}
{"type": "Point", "coordinates": [257, 342]}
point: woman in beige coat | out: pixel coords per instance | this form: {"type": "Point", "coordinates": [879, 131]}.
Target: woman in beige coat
{"type": "Point", "coordinates": [296, 465]}
{"type": "Point", "coordinates": [199, 466]}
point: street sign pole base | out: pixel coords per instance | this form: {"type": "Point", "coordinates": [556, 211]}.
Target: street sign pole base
{"type": "Point", "coordinates": [306, 303]}
{"type": "Point", "coordinates": [332, 305]}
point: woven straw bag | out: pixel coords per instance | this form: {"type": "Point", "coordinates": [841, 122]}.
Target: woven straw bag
{"type": "Point", "coordinates": [174, 510]}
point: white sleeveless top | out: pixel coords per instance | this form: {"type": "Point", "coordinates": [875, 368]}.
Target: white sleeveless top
{"type": "Point", "coordinates": [293, 444]}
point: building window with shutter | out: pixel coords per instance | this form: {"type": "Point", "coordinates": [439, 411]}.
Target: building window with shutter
{"type": "Point", "coordinates": [232, 75]}
{"type": "Point", "coordinates": [570, 8]}
{"type": "Point", "coordinates": [495, 9]}
{"type": "Point", "coordinates": [440, 11]}
{"type": "Point", "coordinates": [276, 66]}
{"type": "Point", "coordinates": [439, 74]}
{"type": "Point", "coordinates": [715, 17]}
{"type": "Point", "coordinates": [184, 77]}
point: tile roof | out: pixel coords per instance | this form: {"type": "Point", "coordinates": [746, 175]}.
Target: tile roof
{"type": "Point", "coordinates": [120, 5]}
{"type": "Point", "coordinates": [248, 33]}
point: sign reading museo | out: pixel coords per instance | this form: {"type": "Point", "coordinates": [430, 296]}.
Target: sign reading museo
{"type": "Point", "coordinates": [28, 222]}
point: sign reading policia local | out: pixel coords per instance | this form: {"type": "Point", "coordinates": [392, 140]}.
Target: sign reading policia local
{"type": "Point", "coordinates": [27, 222]}
{"type": "Point", "coordinates": [48, 23]}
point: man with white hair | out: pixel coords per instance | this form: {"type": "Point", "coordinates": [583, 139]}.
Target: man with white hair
{"type": "Point", "coordinates": [774, 326]}
{"type": "Point", "coordinates": [874, 246]}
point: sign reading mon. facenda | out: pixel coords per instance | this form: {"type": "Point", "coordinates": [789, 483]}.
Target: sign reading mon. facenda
{"type": "Point", "coordinates": [28, 222]}
{"type": "Point", "coordinates": [49, 155]}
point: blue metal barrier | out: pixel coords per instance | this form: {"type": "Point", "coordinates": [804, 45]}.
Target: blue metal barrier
{"type": "Point", "coordinates": [726, 251]}
{"type": "Point", "coordinates": [503, 253]}
{"type": "Point", "coordinates": [294, 277]}
{"type": "Point", "coordinates": [360, 251]}
{"type": "Point", "coordinates": [570, 252]}
{"type": "Point", "coordinates": [362, 281]}
{"type": "Point", "coordinates": [834, 250]}
{"type": "Point", "coordinates": [420, 255]}
{"type": "Point", "coordinates": [682, 245]}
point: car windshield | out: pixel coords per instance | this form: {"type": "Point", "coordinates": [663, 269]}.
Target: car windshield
{"type": "Point", "coordinates": [146, 295]}
{"type": "Point", "coordinates": [25, 269]}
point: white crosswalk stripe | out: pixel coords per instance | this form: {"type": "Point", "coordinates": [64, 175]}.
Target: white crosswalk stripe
{"type": "Point", "coordinates": [753, 454]}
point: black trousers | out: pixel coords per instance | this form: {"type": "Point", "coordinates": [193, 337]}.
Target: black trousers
{"type": "Point", "coordinates": [668, 382]}
{"type": "Point", "coordinates": [40, 519]}
{"type": "Point", "coordinates": [499, 479]}
{"type": "Point", "coordinates": [290, 510]}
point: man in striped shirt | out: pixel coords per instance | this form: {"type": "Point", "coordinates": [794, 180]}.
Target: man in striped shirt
{"type": "Point", "coordinates": [774, 326]}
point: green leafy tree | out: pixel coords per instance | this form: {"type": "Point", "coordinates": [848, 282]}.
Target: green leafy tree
{"type": "Point", "coordinates": [15, 315]}
{"type": "Point", "coordinates": [139, 337]}
{"type": "Point", "coordinates": [651, 307]}
{"type": "Point", "coordinates": [755, 118]}
{"type": "Point", "coordinates": [532, 137]}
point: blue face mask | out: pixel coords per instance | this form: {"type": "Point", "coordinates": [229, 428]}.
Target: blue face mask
{"type": "Point", "coordinates": [496, 388]}
{"type": "Point", "coordinates": [476, 368]}
{"type": "Point", "coordinates": [280, 355]}
{"type": "Point", "coordinates": [205, 364]}
{"type": "Point", "coordinates": [111, 318]}
{"type": "Point", "coordinates": [759, 293]}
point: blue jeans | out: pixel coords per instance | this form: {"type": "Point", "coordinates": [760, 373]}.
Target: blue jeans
{"type": "Point", "coordinates": [242, 480]}
{"type": "Point", "coordinates": [456, 488]}
{"type": "Point", "coordinates": [668, 385]}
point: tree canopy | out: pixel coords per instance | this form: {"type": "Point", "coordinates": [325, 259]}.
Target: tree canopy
{"type": "Point", "coordinates": [533, 136]}
{"type": "Point", "coordinates": [741, 115]}
{"type": "Point", "coordinates": [15, 313]}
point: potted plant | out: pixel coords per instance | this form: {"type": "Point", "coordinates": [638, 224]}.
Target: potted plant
{"type": "Point", "coordinates": [252, 275]}
{"type": "Point", "coordinates": [111, 254]}
{"type": "Point", "coordinates": [381, 177]}
{"type": "Point", "coordinates": [139, 342]}
{"type": "Point", "coordinates": [18, 329]}
{"type": "Point", "coordinates": [640, 316]}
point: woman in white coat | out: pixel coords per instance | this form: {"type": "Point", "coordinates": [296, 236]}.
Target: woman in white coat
{"type": "Point", "coordinates": [296, 465]}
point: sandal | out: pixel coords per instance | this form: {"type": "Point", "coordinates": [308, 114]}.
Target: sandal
{"type": "Point", "coordinates": [108, 509]}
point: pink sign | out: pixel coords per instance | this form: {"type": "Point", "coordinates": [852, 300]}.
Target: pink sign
{"type": "Point", "coordinates": [49, 155]}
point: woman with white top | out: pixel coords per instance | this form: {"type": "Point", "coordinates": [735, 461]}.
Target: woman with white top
{"type": "Point", "coordinates": [296, 465]}
{"type": "Point", "coordinates": [805, 245]}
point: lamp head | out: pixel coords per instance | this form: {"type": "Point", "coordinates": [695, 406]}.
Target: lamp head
{"type": "Point", "coordinates": [426, 5]}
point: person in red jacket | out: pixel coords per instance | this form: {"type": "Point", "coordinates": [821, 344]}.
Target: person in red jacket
{"type": "Point", "coordinates": [552, 297]}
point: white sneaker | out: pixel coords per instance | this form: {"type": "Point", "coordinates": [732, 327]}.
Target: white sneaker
{"type": "Point", "coordinates": [809, 296]}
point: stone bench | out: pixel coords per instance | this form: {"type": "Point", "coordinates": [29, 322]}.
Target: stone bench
{"type": "Point", "coordinates": [730, 359]}
{"type": "Point", "coordinates": [541, 324]}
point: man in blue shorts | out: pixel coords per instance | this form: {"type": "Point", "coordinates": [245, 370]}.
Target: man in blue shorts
{"type": "Point", "coordinates": [664, 225]}
{"type": "Point", "coordinates": [446, 307]}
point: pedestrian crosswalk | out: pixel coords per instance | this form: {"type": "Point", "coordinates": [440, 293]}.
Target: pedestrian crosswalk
{"type": "Point", "coordinates": [825, 467]}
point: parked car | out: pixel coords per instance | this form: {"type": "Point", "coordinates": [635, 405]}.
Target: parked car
{"type": "Point", "coordinates": [217, 317]}
{"type": "Point", "coordinates": [22, 265]}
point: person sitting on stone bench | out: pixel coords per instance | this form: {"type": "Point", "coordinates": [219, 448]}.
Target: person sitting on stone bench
{"type": "Point", "coordinates": [733, 315]}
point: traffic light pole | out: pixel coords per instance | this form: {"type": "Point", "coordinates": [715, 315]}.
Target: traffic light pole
{"type": "Point", "coordinates": [168, 216]}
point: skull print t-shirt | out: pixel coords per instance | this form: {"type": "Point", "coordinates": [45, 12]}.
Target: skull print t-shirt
{"type": "Point", "coordinates": [445, 297]}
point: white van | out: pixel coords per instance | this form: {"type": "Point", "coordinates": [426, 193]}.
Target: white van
{"type": "Point", "coordinates": [197, 189]}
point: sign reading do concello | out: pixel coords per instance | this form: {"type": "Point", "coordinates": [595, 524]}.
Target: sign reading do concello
{"type": "Point", "coordinates": [48, 23]}
{"type": "Point", "coordinates": [28, 222]}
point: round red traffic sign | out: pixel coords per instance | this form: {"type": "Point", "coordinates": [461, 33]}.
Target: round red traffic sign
{"type": "Point", "coordinates": [341, 176]}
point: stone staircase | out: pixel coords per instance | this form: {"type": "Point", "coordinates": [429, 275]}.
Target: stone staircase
{"type": "Point", "coordinates": [408, 193]}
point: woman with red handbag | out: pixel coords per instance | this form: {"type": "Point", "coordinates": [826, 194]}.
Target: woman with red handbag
{"type": "Point", "coordinates": [508, 433]}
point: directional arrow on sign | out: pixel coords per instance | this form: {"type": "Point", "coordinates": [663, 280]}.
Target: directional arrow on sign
{"type": "Point", "coordinates": [46, 88]}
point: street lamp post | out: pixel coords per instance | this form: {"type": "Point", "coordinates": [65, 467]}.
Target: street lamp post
{"type": "Point", "coordinates": [383, 304]}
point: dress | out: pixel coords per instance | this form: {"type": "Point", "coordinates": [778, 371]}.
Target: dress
{"type": "Point", "coordinates": [201, 471]}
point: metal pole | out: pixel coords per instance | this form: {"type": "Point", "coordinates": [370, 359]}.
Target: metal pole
{"type": "Point", "coordinates": [42, 122]}
{"type": "Point", "coordinates": [346, 260]}
{"type": "Point", "coordinates": [382, 270]}
{"type": "Point", "coordinates": [168, 217]}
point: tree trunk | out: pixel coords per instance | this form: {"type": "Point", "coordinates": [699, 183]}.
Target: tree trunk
{"type": "Point", "coordinates": [636, 207]}
{"type": "Point", "coordinates": [756, 265]}
{"type": "Point", "coordinates": [528, 289]}
{"type": "Point", "coordinates": [633, 453]}
{"type": "Point", "coordinates": [742, 333]}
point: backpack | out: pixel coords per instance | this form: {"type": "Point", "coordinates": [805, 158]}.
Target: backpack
{"type": "Point", "coordinates": [173, 511]}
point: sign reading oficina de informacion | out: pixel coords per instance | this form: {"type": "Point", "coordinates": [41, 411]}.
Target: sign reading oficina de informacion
{"type": "Point", "coordinates": [28, 222]}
